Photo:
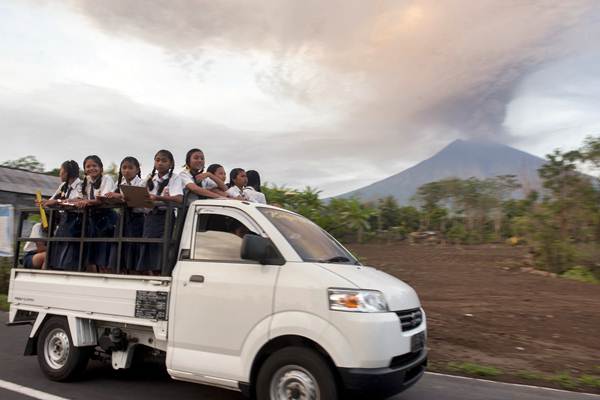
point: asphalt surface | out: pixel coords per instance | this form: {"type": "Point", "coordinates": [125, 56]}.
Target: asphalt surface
{"type": "Point", "coordinates": [150, 381]}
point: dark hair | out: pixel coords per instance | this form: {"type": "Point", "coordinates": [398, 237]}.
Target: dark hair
{"type": "Point", "coordinates": [131, 160]}
{"type": "Point", "coordinates": [95, 185]}
{"type": "Point", "coordinates": [163, 184]}
{"type": "Point", "coordinates": [72, 169]}
{"type": "Point", "coordinates": [212, 168]}
{"type": "Point", "coordinates": [233, 174]}
{"type": "Point", "coordinates": [188, 158]}
{"type": "Point", "coordinates": [253, 179]}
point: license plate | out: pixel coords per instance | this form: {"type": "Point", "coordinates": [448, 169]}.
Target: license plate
{"type": "Point", "coordinates": [417, 342]}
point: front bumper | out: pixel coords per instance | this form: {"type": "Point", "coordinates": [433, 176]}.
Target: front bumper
{"type": "Point", "coordinates": [387, 381]}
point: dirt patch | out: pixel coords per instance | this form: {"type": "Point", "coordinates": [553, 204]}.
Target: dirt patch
{"type": "Point", "coordinates": [482, 307]}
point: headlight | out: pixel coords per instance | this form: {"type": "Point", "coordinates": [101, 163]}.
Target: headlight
{"type": "Point", "coordinates": [357, 300]}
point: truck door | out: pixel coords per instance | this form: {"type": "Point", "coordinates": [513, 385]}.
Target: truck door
{"type": "Point", "coordinates": [219, 298]}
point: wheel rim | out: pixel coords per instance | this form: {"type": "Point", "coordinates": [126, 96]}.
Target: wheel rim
{"type": "Point", "coordinates": [292, 382]}
{"type": "Point", "coordinates": [56, 348]}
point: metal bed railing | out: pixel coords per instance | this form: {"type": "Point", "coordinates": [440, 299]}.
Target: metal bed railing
{"type": "Point", "coordinates": [169, 241]}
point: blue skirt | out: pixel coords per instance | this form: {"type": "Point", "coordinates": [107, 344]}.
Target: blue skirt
{"type": "Point", "coordinates": [133, 226]}
{"type": "Point", "coordinates": [100, 223]}
{"type": "Point", "coordinates": [151, 253]}
{"type": "Point", "coordinates": [28, 259]}
{"type": "Point", "coordinates": [65, 255]}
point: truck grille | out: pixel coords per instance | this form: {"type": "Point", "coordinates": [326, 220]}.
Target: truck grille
{"type": "Point", "coordinates": [410, 319]}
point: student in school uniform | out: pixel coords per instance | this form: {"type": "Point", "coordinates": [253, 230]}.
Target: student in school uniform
{"type": "Point", "coordinates": [215, 185]}
{"type": "Point", "coordinates": [238, 188]}
{"type": "Point", "coordinates": [254, 187]}
{"type": "Point", "coordinates": [35, 252]}
{"type": "Point", "coordinates": [133, 222]}
{"type": "Point", "coordinates": [195, 179]}
{"type": "Point", "coordinates": [101, 221]}
{"type": "Point", "coordinates": [163, 186]}
{"type": "Point", "coordinates": [237, 183]}
{"type": "Point", "coordinates": [65, 255]}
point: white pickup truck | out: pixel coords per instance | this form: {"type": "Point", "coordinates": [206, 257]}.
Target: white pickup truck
{"type": "Point", "coordinates": [277, 310]}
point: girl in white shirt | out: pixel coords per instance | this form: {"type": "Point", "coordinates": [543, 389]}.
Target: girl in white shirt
{"type": "Point", "coordinates": [193, 177]}
{"type": "Point", "coordinates": [216, 185]}
{"type": "Point", "coordinates": [101, 221]}
{"type": "Point", "coordinates": [237, 184]}
{"type": "Point", "coordinates": [238, 189]}
{"type": "Point", "coordinates": [130, 174]}
{"type": "Point", "coordinates": [163, 186]}
{"type": "Point", "coordinates": [65, 255]}
{"type": "Point", "coordinates": [254, 187]}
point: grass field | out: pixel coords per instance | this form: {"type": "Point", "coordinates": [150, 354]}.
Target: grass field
{"type": "Point", "coordinates": [3, 303]}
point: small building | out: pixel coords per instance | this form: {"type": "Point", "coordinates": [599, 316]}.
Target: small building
{"type": "Point", "coordinates": [17, 189]}
{"type": "Point", "coordinates": [18, 186]}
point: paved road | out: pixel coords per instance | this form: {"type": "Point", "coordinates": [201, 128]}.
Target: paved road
{"type": "Point", "coordinates": [152, 382]}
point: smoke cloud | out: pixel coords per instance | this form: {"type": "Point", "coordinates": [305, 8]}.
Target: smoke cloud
{"type": "Point", "coordinates": [402, 77]}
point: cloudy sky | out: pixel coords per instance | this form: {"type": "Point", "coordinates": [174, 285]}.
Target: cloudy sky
{"type": "Point", "coordinates": [331, 94]}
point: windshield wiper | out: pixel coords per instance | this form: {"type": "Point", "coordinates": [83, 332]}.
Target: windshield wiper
{"type": "Point", "coordinates": [336, 259]}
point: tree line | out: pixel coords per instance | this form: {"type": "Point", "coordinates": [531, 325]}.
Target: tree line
{"type": "Point", "coordinates": [560, 222]}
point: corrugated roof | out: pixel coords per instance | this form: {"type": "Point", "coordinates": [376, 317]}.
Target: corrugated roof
{"type": "Point", "coordinates": [21, 181]}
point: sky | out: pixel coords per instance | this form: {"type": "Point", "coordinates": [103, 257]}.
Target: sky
{"type": "Point", "coordinates": [334, 95]}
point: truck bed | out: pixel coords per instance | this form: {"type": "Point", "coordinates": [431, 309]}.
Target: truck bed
{"type": "Point", "coordinates": [134, 299]}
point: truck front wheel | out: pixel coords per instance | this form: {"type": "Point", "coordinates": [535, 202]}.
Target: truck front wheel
{"type": "Point", "coordinates": [295, 373]}
{"type": "Point", "coordinates": [58, 358]}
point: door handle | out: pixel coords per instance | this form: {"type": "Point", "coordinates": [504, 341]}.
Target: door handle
{"type": "Point", "coordinates": [197, 278]}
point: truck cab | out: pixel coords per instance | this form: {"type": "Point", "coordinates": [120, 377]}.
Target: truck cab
{"type": "Point", "coordinates": [259, 299]}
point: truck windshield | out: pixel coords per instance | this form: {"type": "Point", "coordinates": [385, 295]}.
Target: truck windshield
{"type": "Point", "coordinates": [312, 243]}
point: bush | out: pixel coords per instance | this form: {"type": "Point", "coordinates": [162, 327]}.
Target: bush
{"type": "Point", "coordinates": [581, 274]}
{"type": "Point", "coordinates": [457, 234]}
{"type": "Point", "coordinates": [5, 264]}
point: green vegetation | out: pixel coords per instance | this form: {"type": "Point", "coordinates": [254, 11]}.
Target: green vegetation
{"type": "Point", "coordinates": [29, 163]}
{"type": "Point", "coordinates": [564, 379]}
{"type": "Point", "coordinates": [581, 274]}
{"type": "Point", "coordinates": [561, 224]}
{"type": "Point", "coordinates": [590, 380]}
{"type": "Point", "coordinates": [470, 368]}
{"type": "Point", "coordinates": [3, 303]}
{"type": "Point", "coordinates": [530, 375]}
{"type": "Point", "coordinates": [4, 274]}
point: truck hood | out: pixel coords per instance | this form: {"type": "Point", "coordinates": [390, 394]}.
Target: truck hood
{"type": "Point", "coordinates": [398, 294]}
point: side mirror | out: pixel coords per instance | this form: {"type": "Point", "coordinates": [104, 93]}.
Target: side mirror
{"type": "Point", "coordinates": [257, 248]}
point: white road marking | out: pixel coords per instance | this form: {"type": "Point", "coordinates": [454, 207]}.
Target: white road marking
{"type": "Point", "coordinates": [595, 396]}
{"type": "Point", "coordinates": [36, 394]}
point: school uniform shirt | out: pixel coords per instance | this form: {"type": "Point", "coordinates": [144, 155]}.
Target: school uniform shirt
{"type": "Point", "coordinates": [255, 196]}
{"type": "Point", "coordinates": [175, 184]}
{"type": "Point", "coordinates": [136, 181]}
{"type": "Point", "coordinates": [36, 233]}
{"type": "Point", "coordinates": [186, 177]}
{"type": "Point", "coordinates": [208, 183]}
{"type": "Point", "coordinates": [248, 193]}
{"type": "Point", "coordinates": [235, 192]}
{"type": "Point", "coordinates": [106, 185]}
{"type": "Point", "coordinates": [73, 191]}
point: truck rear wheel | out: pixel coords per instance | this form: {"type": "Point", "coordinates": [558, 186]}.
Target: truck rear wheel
{"type": "Point", "coordinates": [59, 359]}
{"type": "Point", "coordinates": [296, 373]}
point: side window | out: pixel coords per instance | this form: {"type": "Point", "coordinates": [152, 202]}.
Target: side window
{"type": "Point", "coordinates": [219, 238]}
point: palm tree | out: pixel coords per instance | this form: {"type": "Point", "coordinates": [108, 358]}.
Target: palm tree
{"type": "Point", "coordinates": [356, 215]}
